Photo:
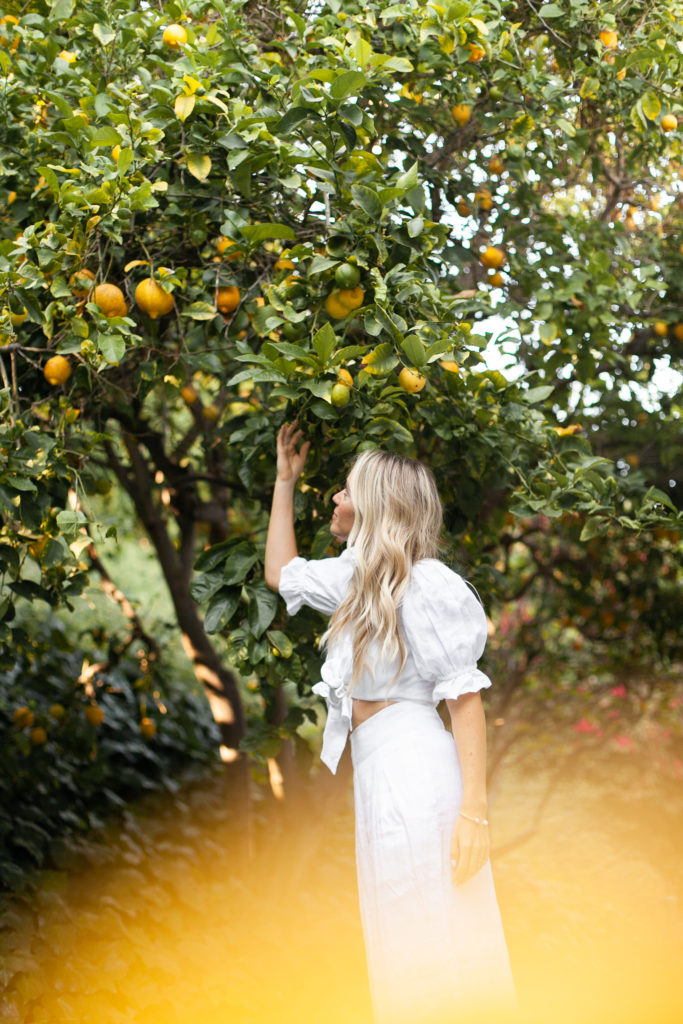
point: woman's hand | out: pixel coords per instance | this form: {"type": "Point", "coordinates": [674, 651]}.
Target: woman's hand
{"type": "Point", "coordinates": [470, 849]}
{"type": "Point", "coordinates": [290, 462]}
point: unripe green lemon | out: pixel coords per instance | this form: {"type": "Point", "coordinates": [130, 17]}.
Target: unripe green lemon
{"type": "Point", "coordinates": [340, 394]}
{"type": "Point", "coordinates": [347, 275]}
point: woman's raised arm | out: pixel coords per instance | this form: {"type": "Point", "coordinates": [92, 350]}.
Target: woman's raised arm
{"type": "Point", "coordinates": [281, 541]}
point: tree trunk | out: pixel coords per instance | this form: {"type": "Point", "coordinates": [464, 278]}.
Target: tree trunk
{"type": "Point", "coordinates": [219, 683]}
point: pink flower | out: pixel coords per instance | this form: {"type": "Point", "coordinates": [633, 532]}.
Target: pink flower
{"type": "Point", "coordinates": [618, 691]}
{"type": "Point", "coordinates": [624, 742]}
{"type": "Point", "coordinates": [584, 725]}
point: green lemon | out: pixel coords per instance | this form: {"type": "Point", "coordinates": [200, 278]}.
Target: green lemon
{"type": "Point", "coordinates": [347, 275]}
{"type": "Point", "coordinates": [340, 395]}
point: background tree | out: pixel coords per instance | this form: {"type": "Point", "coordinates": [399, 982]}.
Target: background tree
{"type": "Point", "coordinates": [221, 216]}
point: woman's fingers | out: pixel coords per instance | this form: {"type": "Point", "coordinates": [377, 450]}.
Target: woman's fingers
{"type": "Point", "coordinates": [469, 850]}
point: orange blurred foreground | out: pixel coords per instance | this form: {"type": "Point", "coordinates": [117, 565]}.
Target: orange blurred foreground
{"type": "Point", "coordinates": [171, 926]}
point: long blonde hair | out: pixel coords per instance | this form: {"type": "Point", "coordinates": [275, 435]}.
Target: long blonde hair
{"type": "Point", "coordinates": [397, 522]}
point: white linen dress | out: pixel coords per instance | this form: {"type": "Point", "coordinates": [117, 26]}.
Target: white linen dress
{"type": "Point", "coordinates": [436, 952]}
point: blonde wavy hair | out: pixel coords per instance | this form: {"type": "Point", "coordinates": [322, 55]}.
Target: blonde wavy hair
{"type": "Point", "coordinates": [397, 522]}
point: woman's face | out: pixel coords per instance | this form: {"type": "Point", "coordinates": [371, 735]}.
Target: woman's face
{"type": "Point", "coordinates": [343, 515]}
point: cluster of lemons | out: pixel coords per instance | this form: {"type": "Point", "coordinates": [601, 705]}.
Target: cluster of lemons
{"type": "Point", "coordinates": [24, 718]}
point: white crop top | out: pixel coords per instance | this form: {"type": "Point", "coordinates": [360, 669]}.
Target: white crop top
{"type": "Point", "coordinates": [444, 628]}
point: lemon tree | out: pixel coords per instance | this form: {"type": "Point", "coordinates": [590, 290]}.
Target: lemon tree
{"type": "Point", "coordinates": [292, 194]}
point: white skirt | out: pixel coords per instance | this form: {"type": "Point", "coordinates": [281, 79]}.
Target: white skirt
{"type": "Point", "coordinates": [435, 951]}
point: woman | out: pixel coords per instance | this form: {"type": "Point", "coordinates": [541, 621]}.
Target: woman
{"type": "Point", "coordinates": [405, 632]}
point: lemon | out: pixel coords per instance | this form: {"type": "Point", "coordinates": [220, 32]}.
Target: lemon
{"type": "Point", "coordinates": [148, 728]}
{"type": "Point", "coordinates": [352, 298]}
{"type": "Point", "coordinates": [174, 36]}
{"type": "Point", "coordinates": [461, 113]}
{"type": "Point", "coordinates": [492, 257]}
{"type": "Point", "coordinates": [152, 299]}
{"type": "Point", "coordinates": [334, 307]}
{"type": "Point", "coordinates": [411, 380]}
{"type": "Point", "coordinates": [347, 275]}
{"type": "Point", "coordinates": [94, 714]}
{"type": "Point", "coordinates": [340, 394]}
{"type": "Point", "coordinates": [57, 370]}
{"type": "Point", "coordinates": [227, 299]}
{"type": "Point", "coordinates": [23, 717]}
{"type": "Point", "coordinates": [110, 300]}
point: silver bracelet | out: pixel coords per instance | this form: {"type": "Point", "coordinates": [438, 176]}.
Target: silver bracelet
{"type": "Point", "coordinates": [477, 821]}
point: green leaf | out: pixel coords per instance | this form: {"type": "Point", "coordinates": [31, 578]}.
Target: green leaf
{"type": "Point", "coordinates": [591, 528]}
{"type": "Point", "coordinates": [380, 361]}
{"type": "Point", "coordinates": [368, 200]}
{"type": "Point", "coordinates": [105, 136]}
{"type": "Point", "coordinates": [61, 10]}
{"type": "Point", "coordinates": [70, 522]}
{"type": "Point", "coordinates": [199, 165]}
{"type": "Point", "coordinates": [263, 606]}
{"type": "Point", "coordinates": [199, 311]}
{"type": "Point", "coordinates": [324, 341]}
{"type": "Point", "coordinates": [255, 233]}
{"type": "Point", "coordinates": [222, 607]}
{"type": "Point", "coordinates": [213, 556]}
{"type": "Point", "coordinates": [551, 11]}
{"type": "Point", "coordinates": [589, 88]}
{"type": "Point", "coordinates": [346, 83]}
{"type": "Point", "coordinates": [388, 323]}
{"type": "Point", "coordinates": [651, 106]}
{"type": "Point", "coordinates": [415, 350]}
{"type": "Point", "coordinates": [539, 394]}
{"type": "Point", "coordinates": [239, 563]}
{"type": "Point", "coordinates": [103, 33]}
{"type": "Point", "coordinates": [294, 117]}
{"type": "Point", "coordinates": [408, 179]}
{"type": "Point", "coordinates": [415, 227]}
{"type": "Point", "coordinates": [280, 642]}
{"type": "Point", "coordinates": [112, 347]}
{"type": "Point", "coordinates": [205, 586]}
{"type": "Point", "coordinates": [124, 161]}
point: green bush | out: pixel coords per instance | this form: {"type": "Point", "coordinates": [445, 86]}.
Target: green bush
{"type": "Point", "coordinates": [61, 775]}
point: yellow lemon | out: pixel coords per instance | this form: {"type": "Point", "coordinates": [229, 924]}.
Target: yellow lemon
{"type": "Point", "coordinates": [492, 257]}
{"type": "Point", "coordinates": [336, 309]}
{"type": "Point", "coordinates": [609, 39]}
{"type": "Point", "coordinates": [411, 380]}
{"type": "Point", "coordinates": [669, 123]}
{"type": "Point", "coordinates": [152, 299]}
{"type": "Point", "coordinates": [23, 717]}
{"type": "Point", "coordinates": [110, 300]}
{"type": "Point", "coordinates": [227, 299]}
{"type": "Point", "coordinates": [352, 298]}
{"type": "Point", "coordinates": [94, 714]}
{"type": "Point", "coordinates": [461, 113]}
{"type": "Point", "coordinates": [57, 370]}
{"type": "Point", "coordinates": [174, 36]}
{"type": "Point", "coordinates": [148, 728]}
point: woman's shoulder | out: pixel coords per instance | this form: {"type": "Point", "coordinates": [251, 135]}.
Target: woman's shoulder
{"type": "Point", "coordinates": [431, 571]}
{"type": "Point", "coordinates": [432, 579]}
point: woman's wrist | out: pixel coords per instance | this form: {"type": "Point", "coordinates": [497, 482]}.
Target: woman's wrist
{"type": "Point", "coordinates": [475, 808]}
{"type": "Point", "coordinates": [286, 483]}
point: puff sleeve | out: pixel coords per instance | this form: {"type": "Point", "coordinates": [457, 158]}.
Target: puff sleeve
{"type": "Point", "coordinates": [446, 629]}
{"type": "Point", "coordinates": [319, 583]}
